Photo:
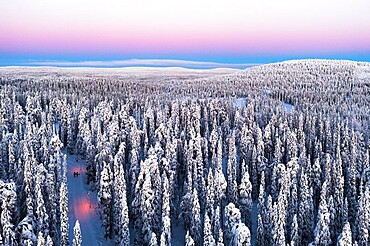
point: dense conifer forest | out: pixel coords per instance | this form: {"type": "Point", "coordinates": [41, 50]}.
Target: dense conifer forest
{"type": "Point", "coordinates": [277, 154]}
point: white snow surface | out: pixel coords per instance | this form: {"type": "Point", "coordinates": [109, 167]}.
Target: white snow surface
{"type": "Point", "coordinates": [83, 206]}
{"type": "Point", "coordinates": [288, 107]}
{"type": "Point", "coordinates": [240, 102]}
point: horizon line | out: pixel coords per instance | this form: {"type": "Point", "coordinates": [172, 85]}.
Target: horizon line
{"type": "Point", "coordinates": [142, 63]}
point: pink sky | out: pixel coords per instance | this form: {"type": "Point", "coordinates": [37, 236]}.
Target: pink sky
{"type": "Point", "coordinates": [162, 28]}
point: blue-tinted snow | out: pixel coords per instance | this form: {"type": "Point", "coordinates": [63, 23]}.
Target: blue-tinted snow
{"type": "Point", "coordinates": [78, 193]}
{"type": "Point", "coordinates": [288, 107]}
{"type": "Point", "coordinates": [240, 102]}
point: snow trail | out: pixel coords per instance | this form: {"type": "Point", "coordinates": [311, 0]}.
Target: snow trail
{"type": "Point", "coordinates": [83, 205]}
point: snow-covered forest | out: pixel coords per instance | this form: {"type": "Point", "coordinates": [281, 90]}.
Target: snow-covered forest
{"type": "Point", "coordinates": [274, 155]}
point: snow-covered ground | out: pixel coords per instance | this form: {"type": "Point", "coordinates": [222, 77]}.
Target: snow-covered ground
{"type": "Point", "coordinates": [288, 107]}
{"type": "Point", "coordinates": [240, 102]}
{"type": "Point", "coordinates": [83, 206]}
{"type": "Point", "coordinates": [178, 234]}
{"type": "Point", "coordinates": [254, 215]}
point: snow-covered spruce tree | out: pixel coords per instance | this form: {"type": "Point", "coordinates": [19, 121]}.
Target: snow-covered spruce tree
{"type": "Point", "coordinates": [280, 207]}
{"type": "Point", "coordinates": [231, 171]}
{"type": "Point", "coordinates": [267, 140]}
{"type": "Point", "coordinates": [118, 182]}
{"type": "Point", "coordinates": [116, 194]}
{"type": "Point", "coordinates": [103, 157]}
{"type": "Point", "coordinates": [351, 181]}
{"type": "Point", "coordinates": [134, 167]}
{"type": "Point", "coordinates": [345, 210]}
{"type": "Point", "coordinates": [338, 180]}
{"type": "Point", "coordinates": [52, 205]}
{"type": "Point", "coordinates": [70, 132]}
{"type": "Point", "coordinates": [301, 137]}
{"type": "Point", "coordinates": [208, 239]}
{"type": "Point", "coordinates": [345, 237]}
{"type": "Point", "coordinates": [166, 213]}
{"type": "Point", "coordinates": [292, 150]}
{"type": "Point", "coordinates": [157, 189]}
{"type": "Point", "coordinates": [18, 118]}
{"type": "Point", "coordinates": [40, 239]}
{"type": "Point", "coordinates": [77, 237]}
{"type": "Point", "coordinates": [142, 205]}
{"type": "Point", "coordinates": [161, 137]}
{"type": "Point", "coordinates": [275, 181]}
{"type": "Point", "coordinates": [64, 121]}
{"type": "Point", "coordinates": [171, 156]}
{"type": "Point", "coordinates": [25, 228]}
{"type": "Point", "coordinates": [42, 217]}
{"type": "Point", "coordinates": [120, 213]}
{"type": "Point", "coordinates": [186, 208]}
{"type": "Point", "coordinates": [260, 161]}
{"type": "Point", "coordinates": [278, 151]}
{"type": "Point", "coordinates": [364, 217]}
{"type": "Point", "coordinates": [220, 241]}
{"type": "Point", "coordinates": [56, 152]}
{"type": "Point", "coordinates": [332, 216]}
{"type": "Point", "coordinates": [83, 128]}
{"type": "Point", "coordinates": [153, 240]}
{"type": "Point", "coordinates": [64, 169]}
{"type": "Point", "coordinates": [195, 226]}
{"type": "Point", "coordinates": [213, 147]}
{"type": "Point", "coordinates": [241, 235]}
{"type": "Point", "coordinates": [199, 183]}
{"type": "Point", "coordinates": [210, 200]}
{"type": "Point", "coordinates": [189, 240]}
{"type": "Point", "coordinates": [124, 232]}
{"type": "Point", "coordinates": [327, 171]}
{"type": "Point", "coordinates": [316, 181]}
{"type": "Point", "coordinates": [49, 241]}
{"type": "Point", "coordinates": [216, 222]}
{"type": "Point", "coordinates": [44, 150]}
{"type": "Point", "coordinates": [90, 164]}
{"type": "Point", "coordinates": [12, 146]}
{"type": "Point", "coordinates": [105, 199]}
{"type": "Point", "coordinates": [305, 211]}
{"type": "Point", "coordinates": [8, 197]}
{"type": "Point", "coordinates": [63, 207]}
{"type": "Point", "coordinates": [28, 181]}
{"type": "Point", "coordinates": [232, 217]}
{"type": "Point", "coordinates": [292, 206]}
{"type": "Point", "coordinates": [113, 132]}
{"type": "Point", "coordinates": [245, 198]}
{"type": "Point", "coordinates": [220, 183]}
{"type": "Point", "coordinates": [149, 119]}
{"type": "Point", "coordinates": [188, 160]}
{"type": "Point", "coordinates": [261, 196]}
{"type": "Point", "coordinates": [269, 221]}
{"type": "Point", "coordinates": [294, 237]}
{"type": "Point", "coordinates": [260, 231]}
{"type": "Point", "coordinates": [322, 233]}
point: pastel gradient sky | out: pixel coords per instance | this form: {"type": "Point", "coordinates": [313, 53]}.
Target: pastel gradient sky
{"type": "Point", "coordinates": [51, 32]}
